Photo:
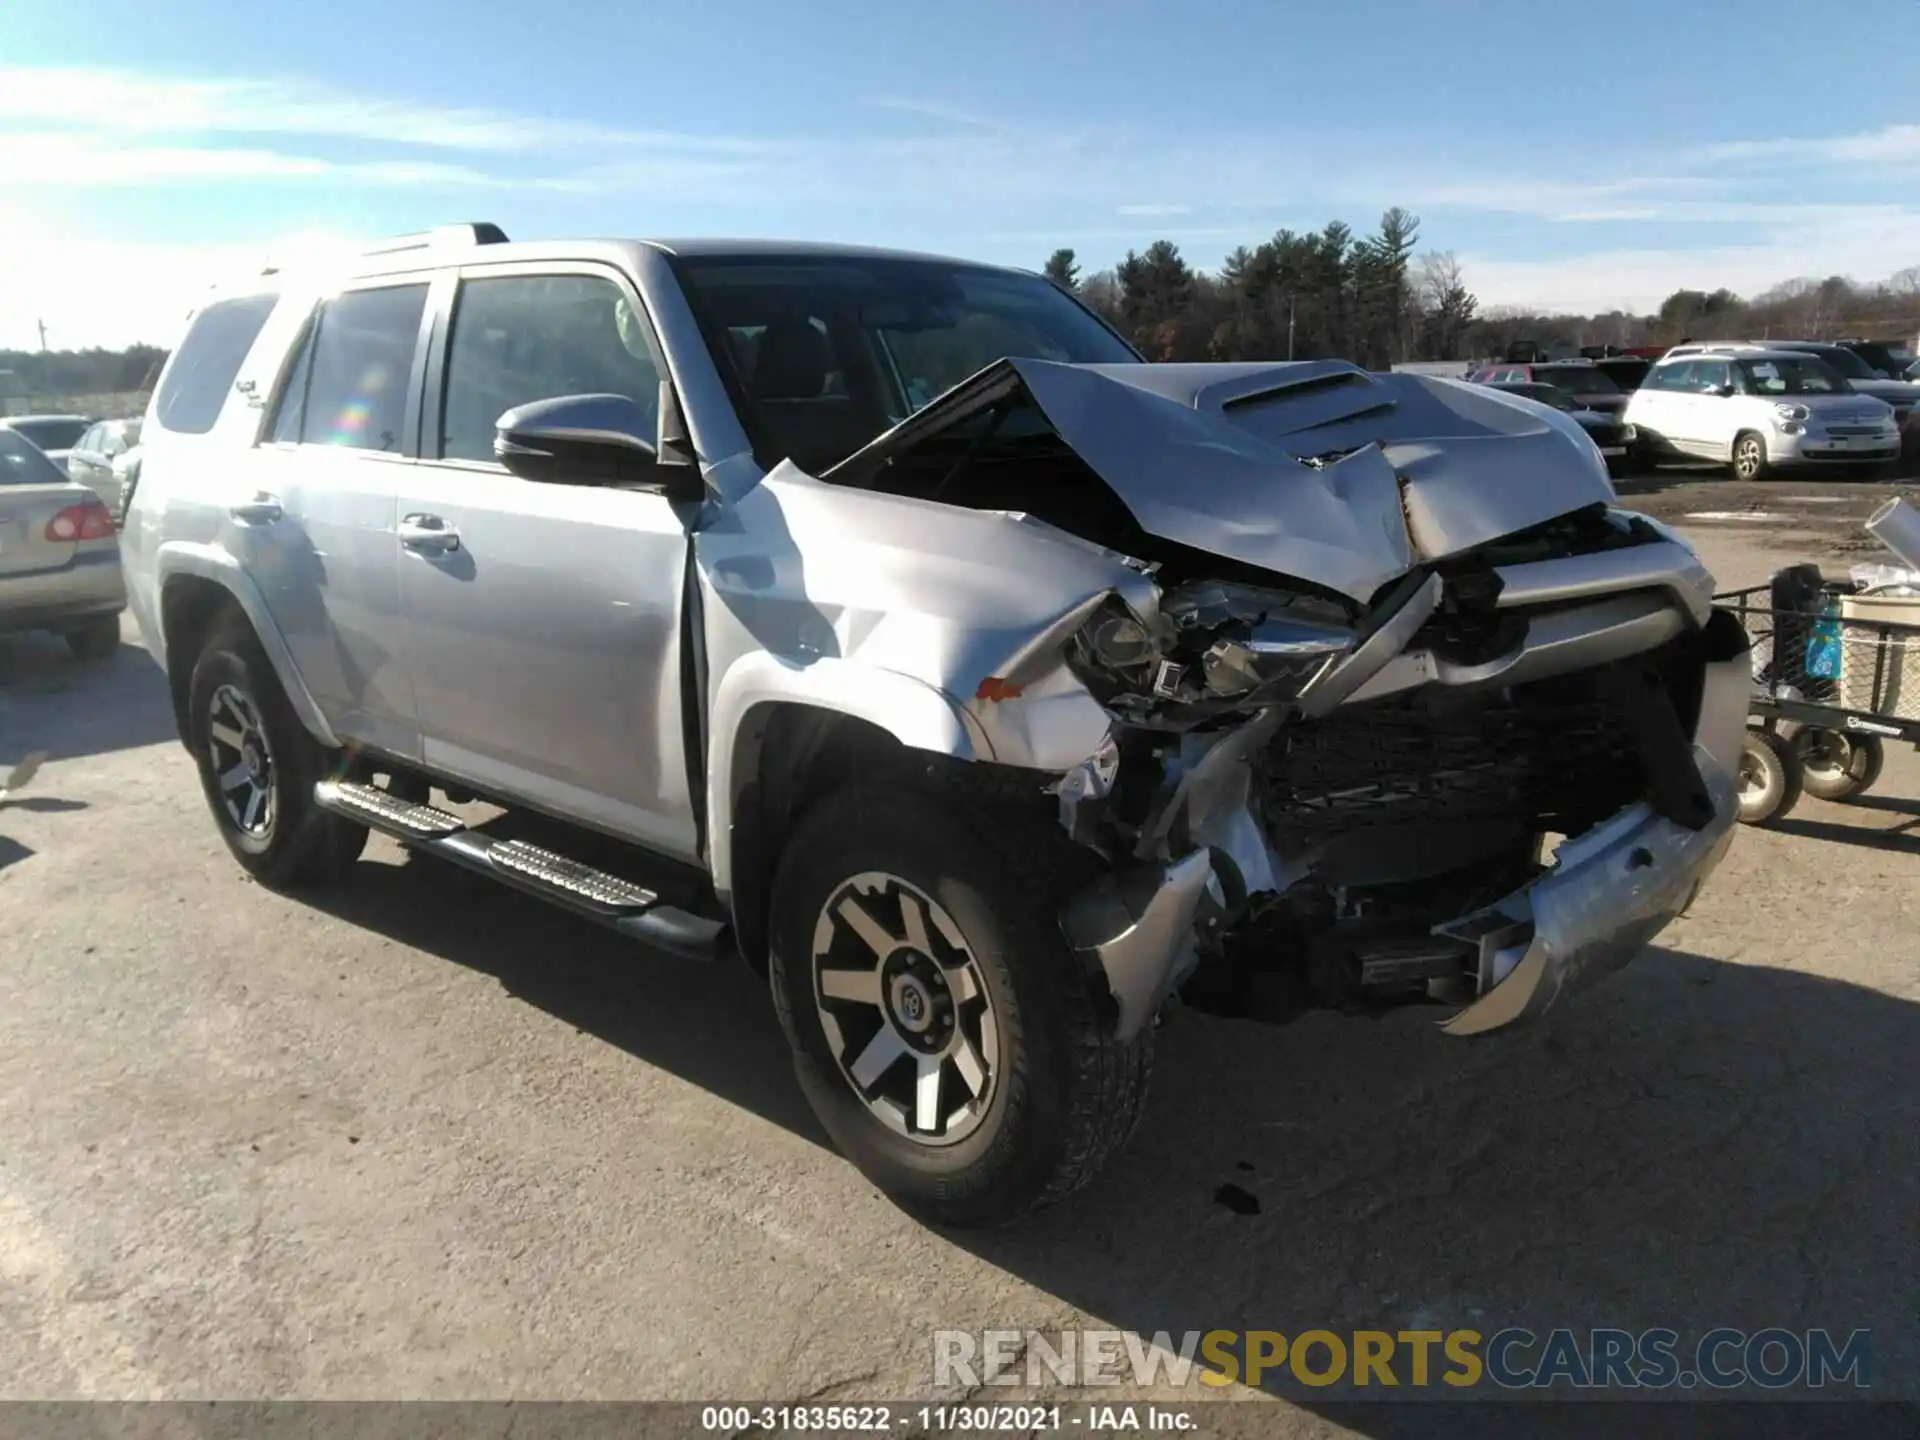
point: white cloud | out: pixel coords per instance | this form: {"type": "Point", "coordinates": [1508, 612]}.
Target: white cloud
{"type": "Point", "coordinates": [109, 292]}
{"type": "Point", "coordinates": [68, 161]}
{"type": "Point", "coordinates": [126, 103]}
{"type": "Point", "coordinates": [936, 110]}
{"type": "Point", "coordinates": [1892, 144]}
{"type": "Point", "coordinates": [1638, 279]}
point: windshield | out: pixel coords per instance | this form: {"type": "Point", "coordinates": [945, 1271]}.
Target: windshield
{"type": "Point", "coordinates": [22, 463]}
{"type": "Point", "coordinates": [1801, 375]}
{"type": "Point", "coordinates": [50, 434]}
{"type": "Point", "coordinates": [824, 353]}
{"type": "Point", "coordinates": [1846, 362]}
{"type": "Point", "coordinates": [1576, 379]}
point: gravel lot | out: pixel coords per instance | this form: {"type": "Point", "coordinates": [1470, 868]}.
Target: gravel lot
{"type": "Point", "coordinates": [420, 1137]}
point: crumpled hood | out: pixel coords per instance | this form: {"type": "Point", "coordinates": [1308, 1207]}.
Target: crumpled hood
{"type": "Point", "coordinates": [1210, 456]}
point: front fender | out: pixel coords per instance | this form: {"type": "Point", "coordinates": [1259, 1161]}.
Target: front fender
{"type": "Point", "coordinates": [916, 714]}
{"type": "Point", "coordinates": [176, 558]}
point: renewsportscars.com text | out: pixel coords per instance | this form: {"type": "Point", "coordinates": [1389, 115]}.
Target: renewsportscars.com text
{"type": "Point", "coordinates": [1514, 1358]}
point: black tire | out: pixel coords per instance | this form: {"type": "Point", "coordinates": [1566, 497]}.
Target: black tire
{"type": "Point", "coordinates": [1749, 456]}
{"type": "Point", "coordinates": [1835, 765]}
{"type": "Point", "coordinates": [96, 639]}
{"type": "Point", "coordinates": [1064, 1094]}
{"type": "Point", "coordinates": [295, 841]}
{"type": "Point", "coordinates": [1770, 778]}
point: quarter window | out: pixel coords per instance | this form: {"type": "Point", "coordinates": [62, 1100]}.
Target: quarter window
{"type": "Point", "coordinates": [352, 377]}
{"type": "Point", "coordinates": [522, 338]}
{"type": "Point", "coordinates": [201, 373]}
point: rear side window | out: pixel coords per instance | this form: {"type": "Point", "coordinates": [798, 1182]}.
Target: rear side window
{"type": "Point", "coordinates": [24, 463]}
{"type": "Point", "coordinates": [350, 384]}
{"type": "Point", "coordinates": [203, 368]}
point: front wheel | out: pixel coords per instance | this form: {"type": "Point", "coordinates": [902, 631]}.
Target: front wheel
{"type": "Point", "coordinates": [1770, 778]}
{"type": "Point", "coordinates": [1835, 765]}
{"type": "Point", "coordinates": [258, 766]}
{"type": "Point", "coordinates": [946, 1037]}
{"type": "Point", "coordinates": [1749, 456]}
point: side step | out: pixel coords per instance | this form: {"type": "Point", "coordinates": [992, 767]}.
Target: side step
{"type": "Point", "coordinates": [619, 904]}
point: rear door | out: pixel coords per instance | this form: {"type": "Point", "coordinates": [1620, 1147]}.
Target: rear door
{"type": "Point", "coordinates": [1708, 415]}
{"type": "Point", "coordinates": [318, 530]}
{"type": "Point", "coordinates": [543, 642]}
{"type": "Point", "coordinates": [90, 464]}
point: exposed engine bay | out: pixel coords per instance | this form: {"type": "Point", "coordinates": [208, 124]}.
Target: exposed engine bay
{"type": "Point", "coordinates": [1348, 787]}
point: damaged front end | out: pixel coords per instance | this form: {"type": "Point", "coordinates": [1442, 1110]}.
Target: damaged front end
{"type": "Point", "coordinates": [1398, 709]}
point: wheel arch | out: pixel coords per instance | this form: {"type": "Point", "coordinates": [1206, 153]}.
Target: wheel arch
{"type": "Point", "coordinates": [198, 585]}
{"type": "Point", "coordinates": [783, 736]}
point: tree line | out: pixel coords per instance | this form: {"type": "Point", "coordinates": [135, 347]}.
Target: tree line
{"type": "Point", "coordinates": [48, 374]}
{"type": "Point", "coordinates": [1301, 295]}
{"type": "Point", "coordinates": [1370, 299]}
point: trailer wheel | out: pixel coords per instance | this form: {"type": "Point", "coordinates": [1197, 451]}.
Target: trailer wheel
{"type": "Point", "coordinates": [1770, 777]}
{"type": "Point", "coordinates": [1835, 765]}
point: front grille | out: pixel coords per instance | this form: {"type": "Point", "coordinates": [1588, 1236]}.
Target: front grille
{"type": "Point", "coordinates": [1549, 756]}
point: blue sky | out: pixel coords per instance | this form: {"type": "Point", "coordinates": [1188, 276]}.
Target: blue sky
{"type": "Point", "coordinates": [1586, 156]}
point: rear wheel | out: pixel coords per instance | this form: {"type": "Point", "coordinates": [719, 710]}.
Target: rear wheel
{"type": "Point", "coordinates": [1835, 765]}
{"type": "Point", "coordinates": [96, 639]}
{"type": "Point", "coordinates": [258, 766]}
{"type": "Point", "coordinates": [948, 1040]}
{"type": "Point", "coordinates": [1749, 456]}
{"type": "Point", "coordinates": [1769, 778]}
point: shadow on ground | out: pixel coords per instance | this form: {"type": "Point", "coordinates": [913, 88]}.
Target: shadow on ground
{"type": "Point", "coordinates": [1692, 1144]}
{"type": "Point", "coordinates": [710, 1024]}
{"type": "Point", "coordinates": [73, 708]}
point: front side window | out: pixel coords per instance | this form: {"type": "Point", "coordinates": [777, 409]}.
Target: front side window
{"type": "Point", "coordinates": [519, 338]}
{"type": "Point", "coordinates": [201, 373]}
{"type": "Point", "coordinates": [1671, 377]}
{"type": "Point", "coordinates": [356, 381]}
{"type": "Point", "coordinates": [1800, 375]}
{"type": "Point", "coordinates": [1710, 375]}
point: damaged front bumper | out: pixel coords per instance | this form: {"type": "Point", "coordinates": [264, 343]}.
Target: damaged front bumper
{"type": "Point", "coordinates": [1610, 891]}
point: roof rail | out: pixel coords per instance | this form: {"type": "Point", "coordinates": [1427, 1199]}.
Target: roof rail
{"type": "Point", "coordinates": [443, 237]}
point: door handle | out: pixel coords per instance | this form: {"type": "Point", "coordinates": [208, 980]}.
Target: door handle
{"type": "Point", "coordinates": [429, 535]}
{"type": "Point", "coordinates": [260, 510]}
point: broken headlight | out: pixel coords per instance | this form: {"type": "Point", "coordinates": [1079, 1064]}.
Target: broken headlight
{"type": "Point", "coordinates": [1215, 646]}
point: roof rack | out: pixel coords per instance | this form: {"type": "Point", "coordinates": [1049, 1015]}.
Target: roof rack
{"type": "Point", "coordinates": [443, 237]}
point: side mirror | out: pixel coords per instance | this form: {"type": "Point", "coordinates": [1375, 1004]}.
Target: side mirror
{"type": "Point", "coordinates": [1723, 391]}
{"type": "Point", "coordinates": [578, 440]}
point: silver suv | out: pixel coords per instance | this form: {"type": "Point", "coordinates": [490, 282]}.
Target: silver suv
{"type": "Point", "coordinates": [886, 621]}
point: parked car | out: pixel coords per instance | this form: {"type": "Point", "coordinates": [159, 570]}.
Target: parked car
{"type": "Point", "coordinates": [92, 461]}
{"type": "Point", "coordinates": [1584, 381]}
{"type": "Point", "coordinates": [1758, 410]}
{"type": "Point", "coordinates": [1889, 360]}
{"type": "Point", "coordinates": [1856, 372]}
{"type": "Point", "coordinates": [887, 621]}
{"type": "Point", "coordinates": [55, 435]}
{"type": "Point", "coordinates": [59, 563]}
{"type": "Point", "coordinates": [1612, 436]}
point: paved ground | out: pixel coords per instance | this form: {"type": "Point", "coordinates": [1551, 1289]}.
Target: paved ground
{"type": "Point", "coordinates": [422, 1137]}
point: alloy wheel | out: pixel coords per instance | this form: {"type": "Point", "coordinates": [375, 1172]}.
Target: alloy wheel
{"type": "Point", "coordinates": [905, 1008]}
{"type": "Point", "coordinates": [242, 761]}
{"type": "Point", "coordinates": [1748, 459]}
